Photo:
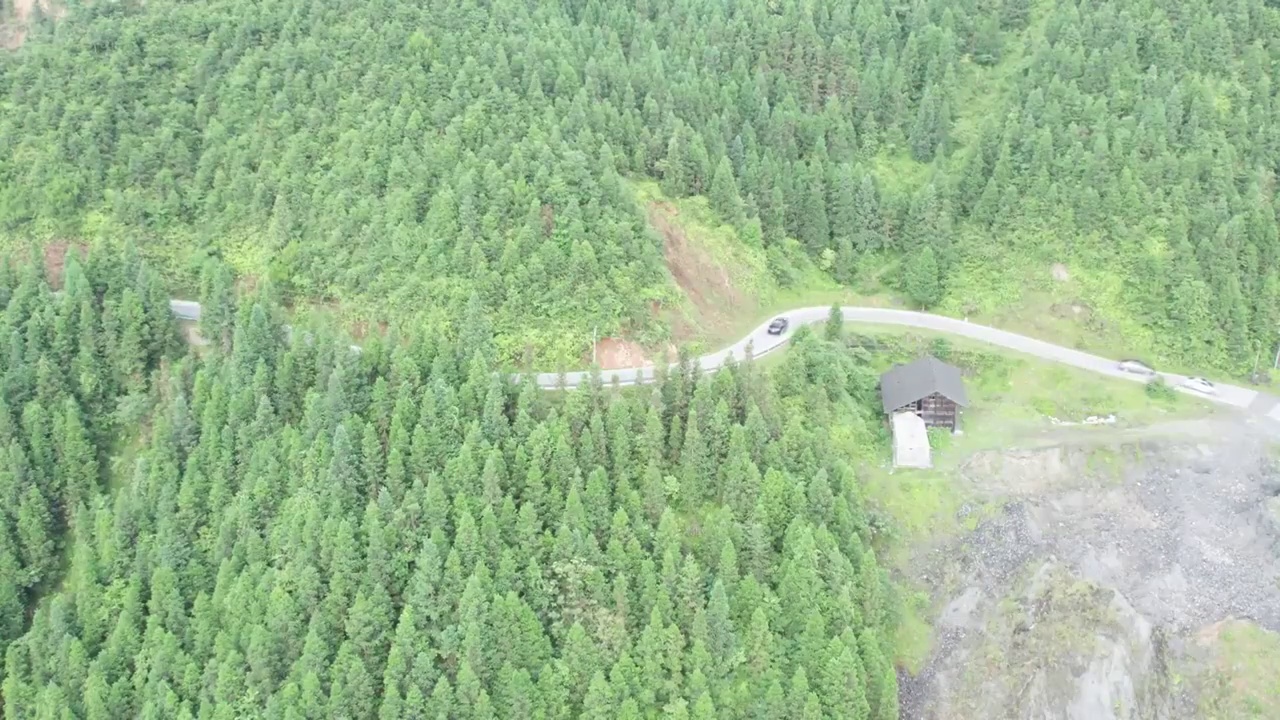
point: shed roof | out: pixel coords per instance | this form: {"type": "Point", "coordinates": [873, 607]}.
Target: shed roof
{"type": "Point", "coordinates": [921, 378]}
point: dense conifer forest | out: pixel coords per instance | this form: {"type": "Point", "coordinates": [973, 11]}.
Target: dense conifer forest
{"type": "Point", "coordinates": [274, 526]}
{"type": "Point", "coordinates": [75, 375]}
{"type": "Point", "coordinates": [303, 531]}
{"type": "Point", "coordinates": [403, 157]}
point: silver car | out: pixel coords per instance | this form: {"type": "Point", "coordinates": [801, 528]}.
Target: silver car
{"type": "Point", "coordinates": [1137, 367]}
{"type": "Point", "coordinates": [1200, 385]}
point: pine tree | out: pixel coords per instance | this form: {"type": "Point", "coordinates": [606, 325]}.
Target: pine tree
{"type": "Point", "coordinates": [723, 195]}
{"type": "Point", "coordinates": [929, 133]}
{"type": "Point", "coordinates": [867, 235]}
{"type": "Point", "coordinates": [217, 303]}
{"type": "Point", "coordinates": [77, 462]}
{"type": "Point", "coordinates": [988, 42]}
{"type": "Point", "coordinates": [811, 210]}
{"type": "Point", "coordinates": [843, 213]}
{"type": "Point", "coordinates": [678, 172]}
{"type": "Point", "coordinates": [35, 532]}
{"type": "Point", "coordinates": [834, 329]}
{"type": "Point", "coordinates": [599, 702]}
{"type": "Point", "coordinates": [842, 683]}
{"type": "Point", "coordinates": [11, 599]}
{"type": "Point", "coordinates": [921, 279]}
{"type": "Point", "coordinates": [1015, 14]}
{"type": "Point", "coordinates": [695, 464]}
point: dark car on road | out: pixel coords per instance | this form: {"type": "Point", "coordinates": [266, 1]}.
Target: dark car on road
{"type": "Point", "coordinates": [778, 326]}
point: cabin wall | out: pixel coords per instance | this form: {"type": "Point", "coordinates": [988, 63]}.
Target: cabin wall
{"type": "Point", "coordinates": [935, 410]}
{"type": "Point", "coordinates": [938, 411]}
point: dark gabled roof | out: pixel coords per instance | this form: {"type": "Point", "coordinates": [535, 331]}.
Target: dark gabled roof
{"type": "Point", "coordinates": [908, 383]}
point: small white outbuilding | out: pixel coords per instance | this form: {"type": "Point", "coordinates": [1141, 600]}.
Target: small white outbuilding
{"type": "Point", "coordinates": [910, 441]}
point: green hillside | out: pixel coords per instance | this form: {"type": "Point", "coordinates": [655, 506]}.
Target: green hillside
{"type": "Point", "coordinates": [393, 160]}
{"type": "Point", "coordinates": [259, 528]}
{"type": "Point", "coordinates": [308, 532]}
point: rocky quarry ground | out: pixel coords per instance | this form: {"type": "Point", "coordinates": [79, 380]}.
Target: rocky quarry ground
{"type": "Point", "coordinates": [1113, 574]}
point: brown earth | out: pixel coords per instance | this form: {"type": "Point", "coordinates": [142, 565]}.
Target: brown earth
{"type": "Point", "coordinates": [362, 329]}
{"type": "Point", "coordinates": [55, 259]}
{"type": "Point", "coordinates": [15, 21]}
{"type": "Point", "coordinates": [191, 334]}
{"type": "Point", "coordinates": [705, 281]}
{"type": "Point", "coordinates": [614, 353]}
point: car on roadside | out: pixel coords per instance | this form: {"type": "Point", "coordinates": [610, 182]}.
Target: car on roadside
{"type": "Point", "coordinates": [778, 326]}
{"type": "Point", "coordinates": [1136, 367]}
{"type": "Point", "coordinates": [1200, 385]}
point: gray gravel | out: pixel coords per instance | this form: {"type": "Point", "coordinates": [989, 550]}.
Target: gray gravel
{"type": "Point", "coordinates": [1180, 526]}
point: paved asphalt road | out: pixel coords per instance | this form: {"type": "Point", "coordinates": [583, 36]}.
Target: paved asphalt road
{"type": "Point", "coordinates": [761, 343]}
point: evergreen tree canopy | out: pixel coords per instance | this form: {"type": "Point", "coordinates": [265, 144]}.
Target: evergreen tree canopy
{"type": "Point", "coordinates": [306, 531]}
{"type": "Point", "coordinates": [405, 159]}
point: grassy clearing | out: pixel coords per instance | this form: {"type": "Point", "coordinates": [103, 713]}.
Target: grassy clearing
{"type": "Point", "coordinates": [983, 90]}
{"type": "Point", "coordinates": [900, 175]}
{"type": "Point", "coordinates": [122, 460]}
{"type": "Point", "coordinates": [922, 503]}
{"type": "Point", "coordinates": [1012, 394]}
{"type": "Point", "coordinates": [913, 640]}
{"type": "Point", "coordinates": [1011, 398]}
{"type": "Point", "coordinates": [1084, 312]}
{"type": "Point", "coordinates": [1245, 681]}
{"type": "Point", "coordinates": [1087, 312]}
{"type": "Point", "coordinates": [708, 234]}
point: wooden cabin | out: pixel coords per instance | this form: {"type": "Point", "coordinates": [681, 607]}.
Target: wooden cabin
{"type": "Point", "coordinates": [927, 387]}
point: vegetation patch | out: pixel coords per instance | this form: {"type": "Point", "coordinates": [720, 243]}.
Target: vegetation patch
{"type": "Point", "coordinates": [1046, 629]}
{"type": "Point", "coordinates": [728, 283]}
{"type": "Point", "coordinates": [705, 278]}
{"type": "Point", "coordinates": [1011, 394]}
{"type": "Point", "coordinates": [710, 528]}
{"type": "Point", "coordinates": [1242, 680]}
{"type": "Point", "coordinates": [913, 642]}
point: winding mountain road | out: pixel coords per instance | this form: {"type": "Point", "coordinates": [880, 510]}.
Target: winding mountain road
{"type": "Point", "coordinates": [761, 343]}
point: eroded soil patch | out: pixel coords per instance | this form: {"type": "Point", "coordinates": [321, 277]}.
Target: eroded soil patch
{"type": "Point", "coordinates": [55, 260]}
{"type": "Point", "coordinates": [17, 19]}
{"type": "Point", "coordinates": [614, 353]}
{"type": "Point", "coordinates": [705, 280]}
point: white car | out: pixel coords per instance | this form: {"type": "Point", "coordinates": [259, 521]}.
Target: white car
{"type": "Point", "coordinates": [1200, 385]}
{"type": "Point", "coordinates": [1137, 367]}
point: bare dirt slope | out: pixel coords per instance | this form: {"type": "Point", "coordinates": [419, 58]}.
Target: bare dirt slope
{"type": "Point", "coordinates": [704, 280]}
{"type": "Point", "coordinates": [613, 353]}
{"type": "Point", "coordinates": [16, 17]}
{"type": "Point", "coordinates": [1088, 590]}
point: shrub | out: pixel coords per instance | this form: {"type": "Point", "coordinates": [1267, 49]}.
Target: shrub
{"type": "Point", "coordinates": [1158, 389]}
